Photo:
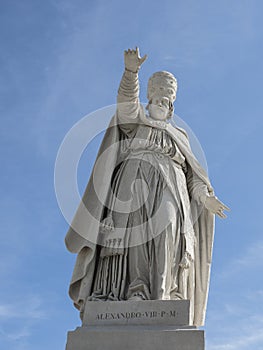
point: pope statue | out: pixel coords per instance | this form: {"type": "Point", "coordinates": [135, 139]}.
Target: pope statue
{"type": "Point", "coordinates": [144, 229]}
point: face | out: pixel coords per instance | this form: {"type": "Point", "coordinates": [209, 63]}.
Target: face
{"type": "Point", "coordinates": [159, 108]}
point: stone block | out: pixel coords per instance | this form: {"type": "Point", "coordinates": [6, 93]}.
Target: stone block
{"type": "Point", "coordinates": [147, 312]}
{"type": "Point", "coordinates": [136, 325]}
{"type": "Point", "coordinates": [137, 338]}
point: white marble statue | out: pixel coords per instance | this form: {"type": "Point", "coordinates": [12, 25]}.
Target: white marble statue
{"type": "Point", "coordinates": [153, 206]}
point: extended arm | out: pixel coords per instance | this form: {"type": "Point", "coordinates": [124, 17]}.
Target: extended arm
{"type": "Point", "coordinates": [128, 93]}
{"type": "Point", "coordinates": [213, 204]}
{"type": "Point", "coordinates": [199, 191]}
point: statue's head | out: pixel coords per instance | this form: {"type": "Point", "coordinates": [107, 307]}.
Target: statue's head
{"type": "Point", "coordinates": [161, 94]}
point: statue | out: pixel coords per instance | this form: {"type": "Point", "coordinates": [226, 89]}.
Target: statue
{"type": "Point", "coordinates": [152, 206]}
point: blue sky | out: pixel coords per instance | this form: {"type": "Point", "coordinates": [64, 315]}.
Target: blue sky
{"type": "Point", "coordinates": [63, 59]}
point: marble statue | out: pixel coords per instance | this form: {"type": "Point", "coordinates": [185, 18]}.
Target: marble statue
{"type": "Point", "coordinates": [151, 203]}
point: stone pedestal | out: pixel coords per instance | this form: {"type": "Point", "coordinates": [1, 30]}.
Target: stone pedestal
{"type": "Point", "coordinates": [140, 325]}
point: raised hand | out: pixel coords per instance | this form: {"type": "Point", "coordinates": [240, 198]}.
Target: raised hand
{"type": "Point", "coordinates": [214, 205]}
{"type": "Point", "coordinates": [133, 60]}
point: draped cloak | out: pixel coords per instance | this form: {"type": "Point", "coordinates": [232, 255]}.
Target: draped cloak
{"type": "Point", "coordinates": [82, 235]}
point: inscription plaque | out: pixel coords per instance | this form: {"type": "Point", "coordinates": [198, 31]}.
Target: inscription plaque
{"type": "Point", "coordinates": [147, 312]}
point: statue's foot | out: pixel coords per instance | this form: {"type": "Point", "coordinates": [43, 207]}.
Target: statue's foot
{"type": "Point", "coordinates": [136, 297]}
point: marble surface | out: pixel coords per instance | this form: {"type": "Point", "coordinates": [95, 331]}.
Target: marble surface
{"type": "Point", "coordinates": [144, 339]}
{"type": "Point", "coordinates": [147, 325]}
{"type": "Point", "coordinates": [149, 312]}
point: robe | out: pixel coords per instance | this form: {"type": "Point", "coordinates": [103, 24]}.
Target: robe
{"type": "Point", "coordinates": [83, 236]}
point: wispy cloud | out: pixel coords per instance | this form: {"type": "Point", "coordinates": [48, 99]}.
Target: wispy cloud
{"type": "Point", "coordinates": [240, 326]}
{"type": "Point", "coordinates": [250, 259]}
{"type": "Point", "coordinates": [24, 332]}
{"type": "Point", "coordinates": [23, 315]}
{"type": "Point", "coordinates": [28, 308]}
{"type": "Point", "coordinates": [246, 340]}
{"type": "Point", "coordinates": [238, 310]}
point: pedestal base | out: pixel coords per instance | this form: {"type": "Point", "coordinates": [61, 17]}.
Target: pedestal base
{"type": "Point", "coordinates": [142, 325]}
{"type": "Point", "coordinates": [135, 339]}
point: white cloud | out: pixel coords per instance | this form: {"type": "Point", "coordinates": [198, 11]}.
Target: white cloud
{"type": "Point", "coordinates": [235, 318]}
{"type": "Point", "coordinates": [23, 315]}
{"type": "Point", "coordinates": [251, 259]}
{"type": "Point", "coordinates": [240, 329]}
{"type": "Point", "coordinates": [253, 256]}
{"type": "Point", "coordinates": [28, 308]}
{"type": "Point", "coordinates": [24, 332]}
{"type": "Point", "coordinates": [245, 341]}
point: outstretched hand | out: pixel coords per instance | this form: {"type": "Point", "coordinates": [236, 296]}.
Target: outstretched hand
{"type": "Point", "coordinates": [214, 205]}
{"type": "Point", "coordinates": [133, 60]}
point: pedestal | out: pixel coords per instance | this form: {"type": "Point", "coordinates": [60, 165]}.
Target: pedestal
{"type": "Point", "coordinates": [140, 325]}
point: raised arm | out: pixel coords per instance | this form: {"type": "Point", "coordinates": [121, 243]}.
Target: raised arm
{"type": "Point", "coordinates": [128, 94]}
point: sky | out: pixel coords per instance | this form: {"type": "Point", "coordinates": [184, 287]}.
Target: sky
{"type": "Point", "coordinates": [63, 59]}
